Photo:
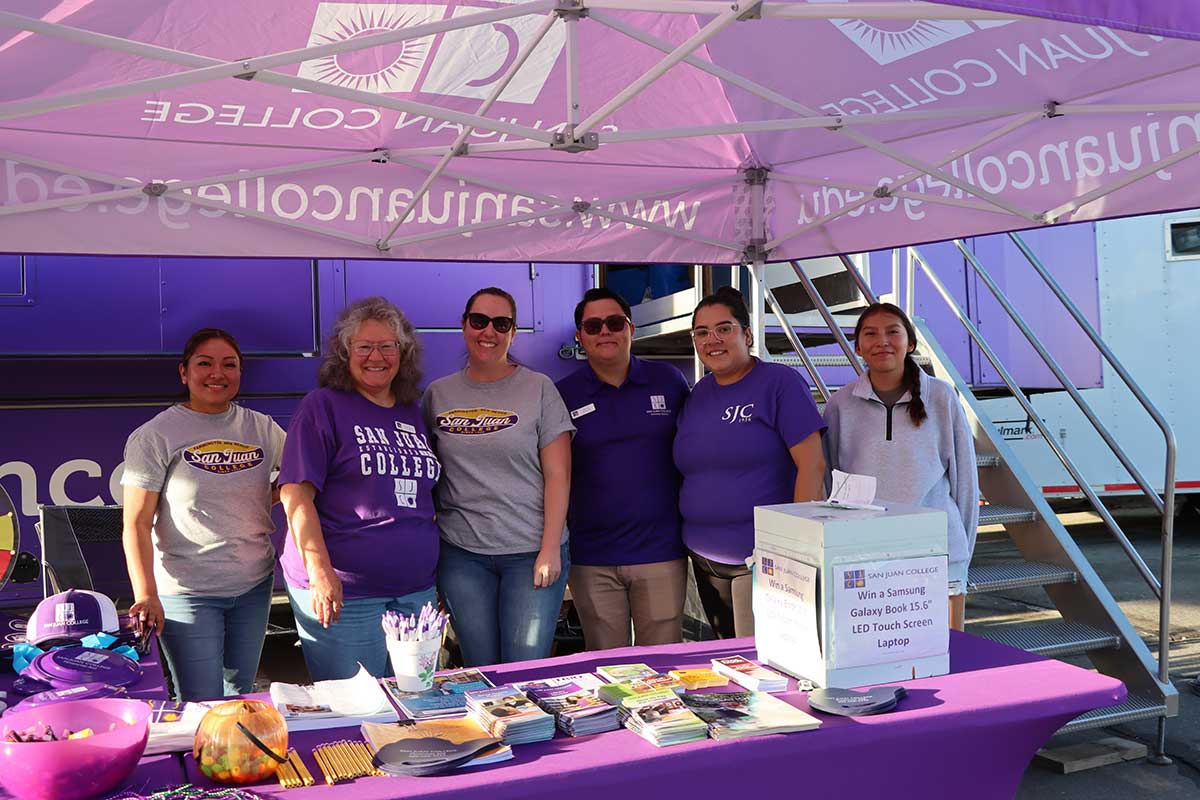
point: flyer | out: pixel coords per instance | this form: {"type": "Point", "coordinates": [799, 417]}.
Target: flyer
{"type": "Point", "coordinates": [886, 611]}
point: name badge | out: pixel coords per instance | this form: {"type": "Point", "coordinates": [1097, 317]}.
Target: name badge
{"type": "Point", "coordinates": [583, 411]}
{"type": "Point", "coordinates": [405, 427]}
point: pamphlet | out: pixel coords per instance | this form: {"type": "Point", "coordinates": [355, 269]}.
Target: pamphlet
{"type": "Point", "coordinates": [662, 718]}
{"type": "Point", "coordinates": [426, 747]}
{"type": "Point", "coordinates": [618, 673]}
{"type": "Point", "coordinates": [447, 698]}
{"type": "Point", "coordinates": [735, 715]}
{"type": "Point", "coordinates": [745, 672]}
{"type": "Point", "coordinates": [573, 702]}
{"type": "Point", "coordinates": [333, 704]}
{"type": "Point", "coordinates": [506, 713]}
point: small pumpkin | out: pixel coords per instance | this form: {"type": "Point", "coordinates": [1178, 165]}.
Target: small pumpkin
{"type": "Point", "coordinates": [240, 741]}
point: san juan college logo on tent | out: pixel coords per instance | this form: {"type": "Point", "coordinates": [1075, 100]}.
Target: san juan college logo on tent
{"type": "Point", "coordinates": [462, 63]}
{"type": "Point", "coordinates": [886, 41]}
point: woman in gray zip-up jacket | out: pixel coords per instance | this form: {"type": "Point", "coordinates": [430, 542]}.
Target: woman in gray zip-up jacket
{"type": "Point", "coordinates": [908, 430]}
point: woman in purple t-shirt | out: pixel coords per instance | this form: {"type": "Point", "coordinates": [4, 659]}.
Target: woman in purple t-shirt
{"type": "Point", "coordinates": [357, 484]}
{"type": "Point", "coordinates": [749, 435]}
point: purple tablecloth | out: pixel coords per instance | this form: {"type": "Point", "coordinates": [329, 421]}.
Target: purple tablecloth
{"type": "Point", "coordinates": [973, 731]}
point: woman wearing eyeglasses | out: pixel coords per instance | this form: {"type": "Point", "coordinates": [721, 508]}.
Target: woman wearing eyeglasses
{"type": "Point", "coordinates": [627, 564]}
{"type": "Point", "coordinates": [749, 435]}
{"type": "Point", "coordinates": [357, 485]}
{"type": "Point", "coordinates": [503, 434]}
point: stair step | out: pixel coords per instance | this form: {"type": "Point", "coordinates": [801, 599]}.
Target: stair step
{"type": "Point", "coordinates": [1053, 639]}
{"type": "Point", "coordinates": [987, 460]}
{"type": "Point", "coordinates": [793, 360]}
{"type": "Point", "coordinates": [1134, 709]}
{"type": "Point", "coordinates": [1015, 575]}
{"type": "Point", "coordinates": [999, 514]}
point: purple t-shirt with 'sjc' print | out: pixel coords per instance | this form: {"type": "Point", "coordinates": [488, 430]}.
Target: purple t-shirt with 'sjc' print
{"type": "Point", "coordinates": [374, 471]}
{"type": "Point", "coordinates": [732, 448]}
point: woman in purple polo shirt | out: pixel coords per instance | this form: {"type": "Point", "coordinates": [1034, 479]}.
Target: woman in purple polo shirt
{"type": "Point", "coordinates": [357, 485]}
{"type": "Point", "coordinates": [749, 435]}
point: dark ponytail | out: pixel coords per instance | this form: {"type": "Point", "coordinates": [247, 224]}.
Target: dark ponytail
{"type": "Point", "coordinates": [912, 382]}
{"type": "Point", "coordinates": [912, 373]}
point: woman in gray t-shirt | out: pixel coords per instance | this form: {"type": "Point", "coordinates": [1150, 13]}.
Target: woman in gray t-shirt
{"type": "Point", "coordinates": [502, 434]}
{"type": "Point", "coordinates": [197, 526]}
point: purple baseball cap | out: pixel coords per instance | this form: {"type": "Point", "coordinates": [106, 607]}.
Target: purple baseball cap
{"type": "Point", "coordinates": [72, 615]}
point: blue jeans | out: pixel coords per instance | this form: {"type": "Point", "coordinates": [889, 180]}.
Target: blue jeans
{"type": "Point", "coordinates": [357, 637]}
{"type": "Point", "coordinates": [212, 644]}
{"type": "Point", "coordinates": [497, 614]}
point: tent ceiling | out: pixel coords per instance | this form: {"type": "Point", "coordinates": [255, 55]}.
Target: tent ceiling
{"type": "Point", "coordinates": [656, 130]}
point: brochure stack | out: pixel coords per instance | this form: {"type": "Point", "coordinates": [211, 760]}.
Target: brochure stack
{"type": "Point", "coordinates": [745, 672]}
{"type": "Point", "coordinates": [573, 702]}
{"type": "Point", "coordinates": [735, 715]}
{"type": "Point", "coordinates": [506, 713]}
{"type": "Point", "coordinates": [662, 718]}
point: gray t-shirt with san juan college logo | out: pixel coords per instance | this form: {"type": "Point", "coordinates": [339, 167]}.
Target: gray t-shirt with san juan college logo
{"type": "Point", "coordinates": [490, 499]}
{"type": "Point", "coordinates": [213, 476]}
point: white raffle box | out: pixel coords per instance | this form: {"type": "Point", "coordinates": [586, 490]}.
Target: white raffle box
{"type": "Point", "coordinates": [848, 597]}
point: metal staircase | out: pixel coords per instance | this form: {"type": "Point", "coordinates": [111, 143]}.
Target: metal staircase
{"type": "Point", "coordinates": [1091, 623]}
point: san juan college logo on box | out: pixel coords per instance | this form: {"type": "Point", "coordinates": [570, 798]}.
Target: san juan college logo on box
{"type": "Point", "coordinates": [462, 63]}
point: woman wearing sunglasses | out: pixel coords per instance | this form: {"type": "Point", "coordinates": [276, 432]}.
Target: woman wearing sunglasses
{"type": "Point", "coordinates": [749, 435]}
{"type": "Point", "coordinates": [627, 562]}
{"type": "Point", "coordinates": [503, 434]}
{"type": "Point", "coordinates": [357, 483]}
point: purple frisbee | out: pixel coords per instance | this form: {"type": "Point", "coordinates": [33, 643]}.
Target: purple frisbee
{"type": "Point", "coordinates": [71, 666]}
{"type": "Point", "coordinates": [83, 691]}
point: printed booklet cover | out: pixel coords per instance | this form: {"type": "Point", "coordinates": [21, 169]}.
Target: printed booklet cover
{"type": "Point", "coordinates": [447, 698]}
{"type": "Point", "coordinates": [332, 704]}
{"type": "Point", "coordinates": [572, 699]}
{"type": "Point", "coordinates": [734, 715]}
{"type": "Point", "coordinates": [426, 747]}
{"type": "Point", "coordinates": [745, 672]}
{"type": "Point", "coordinates": [662, 718]}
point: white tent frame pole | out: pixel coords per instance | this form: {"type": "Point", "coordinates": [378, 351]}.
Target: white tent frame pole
{"type": "Point", "coordinates": [879, 10]}
{"type": "Point", "coordinates": [1126, 108]}
{"type": "Point", "coordinates": [480, 226]}
{"type": "Point", "coordinates": [758, 227]}
{"type": "Point", "coordinates": [178, 186]}
{"type": "Point", "coordinates": [91, 175]}
{"type": "Point", "coordinates": [548, 199]}
{"type": "Point", "coordinates": [945, 177]}
{"type": "Point", "coordinates": [670, 191]}
{"type": "Point", "coordinates": [597, 210]}
{"type": "Point", "coordinates": [472, 149]}
{"type": "Point", "coordinates": [572, 48]}
{"type": "Point", "coordinates": [1071, 206]}
{"type": "Point", "coordinates": [867, 188]}
{"type": "Point", "coordinates": [694, 42]}
{"type": "Point", "coordinates": [990, 137]}
{"type": "Point", "coordinates": [484, 107]}
{"type": "Point", "coordinates": [278, 79]}
{"type": "Point", "coordinates": [831, 121]}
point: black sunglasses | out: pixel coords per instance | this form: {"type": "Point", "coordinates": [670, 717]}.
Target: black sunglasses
{"type": "Point", "coordinates": [615, 324]}
{"type": "Point", "coordinates": [480, 321]}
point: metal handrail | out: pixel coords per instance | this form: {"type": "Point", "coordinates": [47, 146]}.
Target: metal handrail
{"type": "Point", "coordinates": [795, 342]}
{"type": "Point", "coordinates": [1059, 373]}
{"type": "Point", "coordinates": [819, 304]}
{"type": "Point", "coordinates": [915, 258]}
{"type": "Point", "coordinates": [1168, 505]}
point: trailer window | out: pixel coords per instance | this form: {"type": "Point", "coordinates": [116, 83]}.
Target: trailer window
{"type": "Point", "coordinates": [1183, 239]}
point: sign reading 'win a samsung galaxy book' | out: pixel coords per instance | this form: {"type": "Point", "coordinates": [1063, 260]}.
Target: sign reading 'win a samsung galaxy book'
{"type": "Point", "coordinates": [889, 610]}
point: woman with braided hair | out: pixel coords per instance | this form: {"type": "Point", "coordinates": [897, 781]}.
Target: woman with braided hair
{"type": "Point", "coordinates": [909, 430]}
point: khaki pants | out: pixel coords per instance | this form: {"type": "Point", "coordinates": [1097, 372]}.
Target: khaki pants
{"type": "Point", "coordinates": [608, 598]}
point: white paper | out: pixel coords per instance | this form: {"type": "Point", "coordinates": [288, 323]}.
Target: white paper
{"type": "Point", "coordinates": [851, 488]}
{"type": "Point", "coordinates": [333, 703]}
{"type": "Point", "coordinates": [785, 612]}
{"type": "Point", "coordinates": [886, 611]}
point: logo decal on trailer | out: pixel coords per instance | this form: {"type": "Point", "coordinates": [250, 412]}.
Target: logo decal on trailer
{"type": "Point", "coordinates": [465, 63]}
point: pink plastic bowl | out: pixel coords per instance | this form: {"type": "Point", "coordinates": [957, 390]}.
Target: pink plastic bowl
{"type": "Point", "coordinates": [76, 768]}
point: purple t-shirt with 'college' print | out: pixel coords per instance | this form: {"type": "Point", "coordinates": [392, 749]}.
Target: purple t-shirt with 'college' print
{"type": "Point", "coordinates": [732, 448]}
{"type": "Point", "coordinates": [374, 472]}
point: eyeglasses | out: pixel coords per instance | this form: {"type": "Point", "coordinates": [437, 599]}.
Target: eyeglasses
{"type": "Point", "coordinates": [615, 324]}
{"type": "Point", "coordinates": [720, 331]}
{"type": "Point", "coordinates": [480, 321]}
{"type": "Point", "coordinates": [386, 349]}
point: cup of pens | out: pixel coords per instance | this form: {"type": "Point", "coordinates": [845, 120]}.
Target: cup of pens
{"type": "Point", "coordinates": [414, 643]}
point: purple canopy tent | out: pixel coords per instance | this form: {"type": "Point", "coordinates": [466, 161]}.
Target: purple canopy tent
{"type": "Point", "coordinates": [584, 130]}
